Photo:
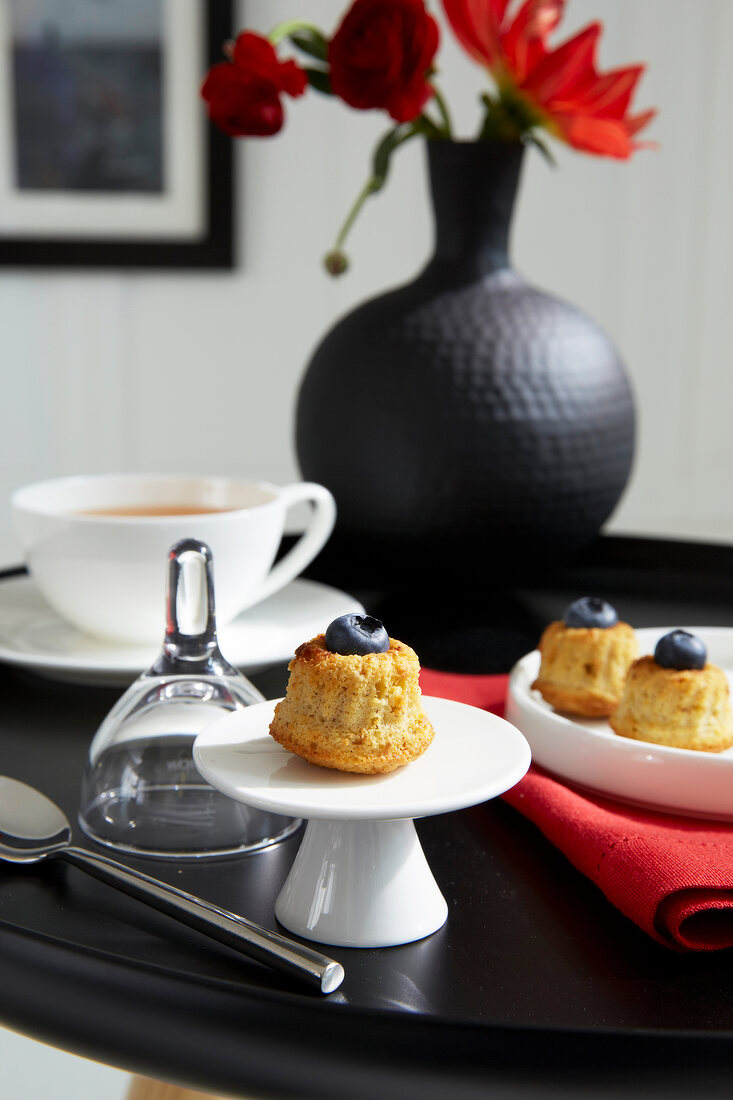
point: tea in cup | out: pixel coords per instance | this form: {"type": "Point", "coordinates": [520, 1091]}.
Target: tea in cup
{"type": "Point", "coordinates": [97, 546]}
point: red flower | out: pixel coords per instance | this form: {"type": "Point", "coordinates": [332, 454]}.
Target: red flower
{"type": "Point", "coordinates": [243, 94]}
{"type": "Point", "coordinates": [559, 89]}
{"type": "Point", "coordinates": [381, 54]}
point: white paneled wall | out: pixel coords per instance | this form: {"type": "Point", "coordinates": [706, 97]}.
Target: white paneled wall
{"type": "Point", "coordinates": [181, 371]}
{"type": "Point", "coordinates": [648, 253]}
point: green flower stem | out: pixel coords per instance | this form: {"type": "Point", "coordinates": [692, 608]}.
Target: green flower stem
{"type": "Point", "coordinates": [510, 116]}
{"type": "Point", "coordinates": [336, 261]}
{"type": "Point", "coordinates": [371, 185]}
{"type": "Point", "coordinates": [498, 125]}
{"type": "Point", "coordinates": [442, 106]}
{"type": "Point", "coordinates": [424, 125]}
{"type": "Point", "coordinates": [291, 26]}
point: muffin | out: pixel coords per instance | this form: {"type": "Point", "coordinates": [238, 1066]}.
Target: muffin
{"type": "Point", "coordinates": [353, 700]}
{"type": "Point", "coordinates": [676, 698]}
{"type": "Point", "coordinates": [584, 659]}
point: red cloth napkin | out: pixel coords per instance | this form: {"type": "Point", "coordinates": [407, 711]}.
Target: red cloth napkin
{"type": "Point", "coordinates": [672, 875]}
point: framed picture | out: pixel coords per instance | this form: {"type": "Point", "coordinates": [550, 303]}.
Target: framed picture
{"type": "Point", "coordinates": [107, 158]}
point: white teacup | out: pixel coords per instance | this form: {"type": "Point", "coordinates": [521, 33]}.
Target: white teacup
{"type": "Point", "coordinates": [97, 546]}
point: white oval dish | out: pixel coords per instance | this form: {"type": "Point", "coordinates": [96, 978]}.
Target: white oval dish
{"type": "Point", "coordinates": [588, 753]}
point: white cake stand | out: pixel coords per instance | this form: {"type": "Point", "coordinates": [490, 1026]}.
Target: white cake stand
{"type": "Point", "coordinates": [360, 878]}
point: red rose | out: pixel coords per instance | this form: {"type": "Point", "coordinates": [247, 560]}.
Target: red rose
{"type": "Point", "coordinates": [381, 54]}
{"type": "Point", "coordinates": [243, 95]}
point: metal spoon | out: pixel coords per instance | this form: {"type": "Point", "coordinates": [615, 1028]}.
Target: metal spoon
{"type": "Point", "coordinates": [32, 828]}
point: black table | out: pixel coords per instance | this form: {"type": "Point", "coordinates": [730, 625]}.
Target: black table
{"type": "Point", "coordinates": [536, 986]}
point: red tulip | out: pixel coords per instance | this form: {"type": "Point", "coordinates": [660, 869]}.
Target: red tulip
{"type": "Point", "coordinates": [559, 89]}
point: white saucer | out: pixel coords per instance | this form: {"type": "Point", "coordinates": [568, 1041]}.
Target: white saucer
{"type": "Point", "coordinates": [360, 878]}
{"type": "Point", "coordinates": [588, 753]}
{"type": "Point", "coordinates": [34, 637]}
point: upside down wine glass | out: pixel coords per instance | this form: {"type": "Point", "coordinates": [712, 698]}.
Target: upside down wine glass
{"type": "Point", "coordinates": [141, 791]}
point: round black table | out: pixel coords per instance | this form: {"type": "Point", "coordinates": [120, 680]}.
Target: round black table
{"type": "Point", "coordinates": [536, 986]}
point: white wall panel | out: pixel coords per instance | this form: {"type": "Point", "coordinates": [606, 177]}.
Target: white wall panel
{"type": "Point", "coordinates": [186, 370]}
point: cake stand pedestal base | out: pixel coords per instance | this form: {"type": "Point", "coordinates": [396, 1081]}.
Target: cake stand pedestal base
{"type": "Point", "coordinates": [360, 878]}
{"type": "Point", "coordinates": [361, 884]}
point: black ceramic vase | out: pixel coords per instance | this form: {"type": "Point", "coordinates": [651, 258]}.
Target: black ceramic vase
{"type": "Point", "coordinates": [466, 420]}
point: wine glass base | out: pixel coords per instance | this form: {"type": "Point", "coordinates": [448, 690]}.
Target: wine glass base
{"type": "Point", "coordinates": [186, 820]}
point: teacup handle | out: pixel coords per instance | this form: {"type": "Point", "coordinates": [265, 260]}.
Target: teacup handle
{"type": "Point", "coordinates": [310, 542]}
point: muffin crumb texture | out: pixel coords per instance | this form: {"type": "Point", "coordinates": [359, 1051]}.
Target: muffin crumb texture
{"type": "Point", "coordinates": [583, 669]}
{"type": "Point", "coordinates": [682, 708]}
{"type": "Point", "coordinates": [353, 713]}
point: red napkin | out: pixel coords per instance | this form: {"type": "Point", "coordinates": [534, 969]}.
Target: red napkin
{"type": "Point", "coordinates": [672, 875]}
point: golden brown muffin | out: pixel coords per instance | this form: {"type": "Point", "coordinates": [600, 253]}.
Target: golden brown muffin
{"type": "Point", "coordinates": [354, 713]}
{"type": "Point", "coordinates": [582, 669]}
{"type": "Point", "coordinates": [685, 708]}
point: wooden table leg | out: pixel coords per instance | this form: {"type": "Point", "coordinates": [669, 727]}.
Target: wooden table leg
{"type": "Point", "coordinates": [145, 1088]}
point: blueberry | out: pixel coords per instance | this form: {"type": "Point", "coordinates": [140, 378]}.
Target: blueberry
{"type": "Point", "coordinates": [356, 634]}
{"type": "Point", "coordinates": [679, 649]}
{"type": "Point", "coordinates": [590, 611]}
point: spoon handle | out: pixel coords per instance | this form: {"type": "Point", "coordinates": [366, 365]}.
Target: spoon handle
{"type": "Point", "coordinates": [243, 935]}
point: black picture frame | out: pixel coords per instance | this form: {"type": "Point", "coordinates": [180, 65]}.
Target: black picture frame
{"type": "Point", "coordinates": [212, 248]}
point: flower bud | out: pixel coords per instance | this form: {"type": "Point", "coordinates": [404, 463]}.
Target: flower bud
{"type": "Point", "coordinates": [336, 262]}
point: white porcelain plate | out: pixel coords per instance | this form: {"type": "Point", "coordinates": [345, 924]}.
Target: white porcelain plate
{"type": "Point", "coordinates": [33, 636]}
{"type": "Point", "coordinates": [588, 753]}
{"type": "Point", "coordinates": [474, 756]}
